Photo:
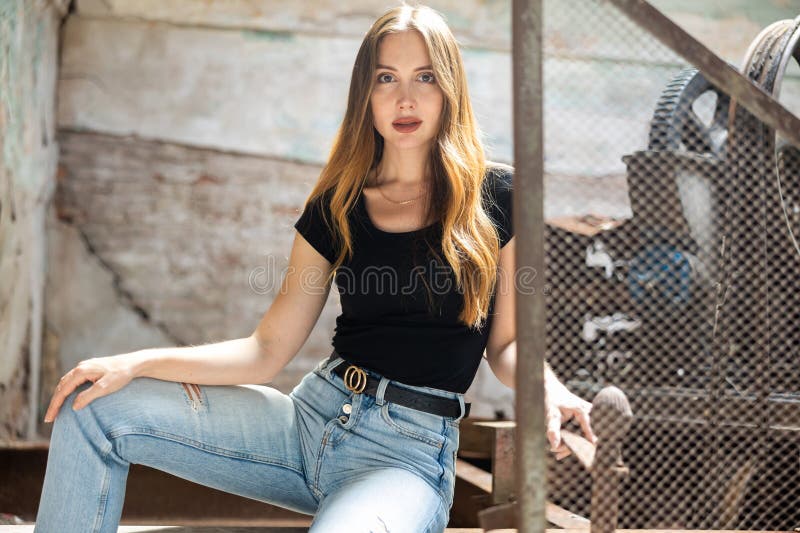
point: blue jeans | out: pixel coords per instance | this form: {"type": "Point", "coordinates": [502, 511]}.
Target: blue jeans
{"type": "Point", "coordinates": [356, 462]}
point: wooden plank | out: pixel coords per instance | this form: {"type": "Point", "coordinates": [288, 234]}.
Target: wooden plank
{"type": "Point", "coordinates": [473, 475]}
{"type": "Point", "coordinates": [558, 516]}
{"type": "Point", "coordinates": [473, 440]}
{"type": "Point", "coordinates": [582, 449]}
{"type": "Point", "coordinates": [36, 444]}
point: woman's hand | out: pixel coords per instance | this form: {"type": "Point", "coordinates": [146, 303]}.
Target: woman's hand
{"type": "Point", "coordinates": [562, 405]}
{"type": "Point", "coordinates": [109, 374]}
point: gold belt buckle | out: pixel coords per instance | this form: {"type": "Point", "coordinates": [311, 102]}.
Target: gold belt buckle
{"type": "Point", "coordinates": [355, 379]}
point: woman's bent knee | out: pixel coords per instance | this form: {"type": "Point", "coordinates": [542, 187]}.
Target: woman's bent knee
{"type": "Point", "coordinates": [128, 405]}
{"type": "Point", "coordinates": [81, 432]}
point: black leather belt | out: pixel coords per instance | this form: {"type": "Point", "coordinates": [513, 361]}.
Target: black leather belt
{"type": "Point", "coordinates": [358, 381]}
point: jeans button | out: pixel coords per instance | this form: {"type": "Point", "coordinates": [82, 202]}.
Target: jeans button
{"type": "Point", "coordinates": [343, 419]}
{"type": "Point", "coordinates": [347, 408]}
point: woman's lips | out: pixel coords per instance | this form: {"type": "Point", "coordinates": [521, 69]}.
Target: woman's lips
{"type": "Point", "coordinates": [406, 126]}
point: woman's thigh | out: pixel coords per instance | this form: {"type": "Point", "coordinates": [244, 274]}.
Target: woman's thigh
{"type": "Point", "coordinates": [241, 439]}
{"type": "Point", "coordinates": [381, 501]}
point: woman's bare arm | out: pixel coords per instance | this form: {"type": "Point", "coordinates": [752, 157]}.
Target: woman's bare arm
{"type": "Point", "coordinates": [255, 359]}
{"type": "Point", "coordinates": [501, 353]}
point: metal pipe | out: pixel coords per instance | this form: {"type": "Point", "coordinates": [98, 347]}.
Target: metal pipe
{"type": "Point", "coordinates": [528, 220]}
{"type": "Point", "coordinates": [715, 69]}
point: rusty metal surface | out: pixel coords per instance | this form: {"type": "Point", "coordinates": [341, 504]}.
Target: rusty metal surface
{"type": "Point", "coordinates": [612, 417]}
{"type": "Point", "coordinates": [528, 213]}
{"type": "Point", "coordinates": [504, 466]}
{"type": "Point", "coordinates": [499, 516]}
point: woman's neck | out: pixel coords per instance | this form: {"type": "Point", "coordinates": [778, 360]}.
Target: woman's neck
{"type": "Point", "coordinates": [406, 168]}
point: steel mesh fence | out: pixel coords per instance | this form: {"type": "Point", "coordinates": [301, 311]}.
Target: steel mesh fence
{"type": "Point", "coordinates": [685, 294]}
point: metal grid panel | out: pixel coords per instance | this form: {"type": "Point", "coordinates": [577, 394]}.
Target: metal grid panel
{"type": "Point", "coordinates": [687, 298]}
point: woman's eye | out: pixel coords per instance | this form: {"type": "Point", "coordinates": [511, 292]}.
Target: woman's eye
{"type": "Point", "coordinates": [427, 77]}
{"type": "Point", "coordinates": [384, 78]}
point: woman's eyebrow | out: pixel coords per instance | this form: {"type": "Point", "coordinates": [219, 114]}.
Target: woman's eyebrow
{"type": "Point", "coordinates": [387, 67]}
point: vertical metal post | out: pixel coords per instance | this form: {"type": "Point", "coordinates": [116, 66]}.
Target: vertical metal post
{"type": "Point", "coordinates": [528, 207]}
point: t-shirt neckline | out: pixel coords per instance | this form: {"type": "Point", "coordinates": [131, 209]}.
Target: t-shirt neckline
{"type": "Point", "coordinates": [363, 206]}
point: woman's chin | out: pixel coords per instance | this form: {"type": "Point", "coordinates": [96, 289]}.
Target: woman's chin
{"type": "Point", "coordinates": [407, 143]}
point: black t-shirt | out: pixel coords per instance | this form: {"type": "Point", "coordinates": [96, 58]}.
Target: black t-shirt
{"type": "Point", "coordinates": [390, 323]}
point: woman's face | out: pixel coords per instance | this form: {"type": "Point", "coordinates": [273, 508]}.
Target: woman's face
{"type": "Point", "coordinates": [406, 101]}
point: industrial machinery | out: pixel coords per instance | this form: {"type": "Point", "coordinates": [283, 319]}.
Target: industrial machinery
{"type": "Point", "coordinates": [692, 307]}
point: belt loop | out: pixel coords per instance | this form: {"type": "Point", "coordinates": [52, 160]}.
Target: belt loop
{"type": "Point", "coordinates": [381, 391]}
{"type": "Point", "coordinates": [462, 406]}
{"type": "Point", "coordinates": [332, 362]}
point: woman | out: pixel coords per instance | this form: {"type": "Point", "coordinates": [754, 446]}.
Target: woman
{"type": "Point", "coordinates": [416, 231]}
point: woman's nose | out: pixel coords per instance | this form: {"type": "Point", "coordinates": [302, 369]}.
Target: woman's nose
{"type": "Point", "coordinates": [406, 99]}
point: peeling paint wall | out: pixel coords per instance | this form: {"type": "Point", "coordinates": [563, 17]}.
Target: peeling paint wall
{"type": "Point", "coordinates": [192, 131]}
{"type": "Point", "coordinates": [28, 156]}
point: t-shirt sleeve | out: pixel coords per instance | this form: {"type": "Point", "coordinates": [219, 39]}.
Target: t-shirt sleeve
{"type": "Point", "coordinates": [313, 227]}
{"type": "Point", "coordinates": [501, 186]}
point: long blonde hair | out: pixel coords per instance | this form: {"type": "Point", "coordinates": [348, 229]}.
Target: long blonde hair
{"type": "Point", "coordinates": [470, 240]}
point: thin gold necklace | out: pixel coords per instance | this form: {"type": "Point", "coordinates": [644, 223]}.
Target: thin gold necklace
{"type": "Point", "coordinates": [378, 185]}
{"type": "Point", "coordinates": [400, 203]}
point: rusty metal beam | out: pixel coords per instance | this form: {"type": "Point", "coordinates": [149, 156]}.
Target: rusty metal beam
{"type": "Point", "coordinates": [528, 220]}
{"type": "Point", "coordinates": [715, 69]}
{"type": "Point", "coordinates": [483, 480]}
{"type": "Point", "coordinates": [503, 461]}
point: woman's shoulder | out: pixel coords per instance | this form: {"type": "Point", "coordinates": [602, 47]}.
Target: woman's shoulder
{"type": "Point", "coordinates": [498, 183]}
{"type": "Point", "coordinates": [500, 176]}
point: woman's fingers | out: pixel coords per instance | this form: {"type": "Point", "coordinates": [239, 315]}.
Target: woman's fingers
{"type": "Point", "coordinates": [64, 388]}
{"type": "Point", "coordinates": [554, 427]}
{"type": "Point", "coordinates": [562, 452]}
{"type": "Point", "coordinates": [100, 388]}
